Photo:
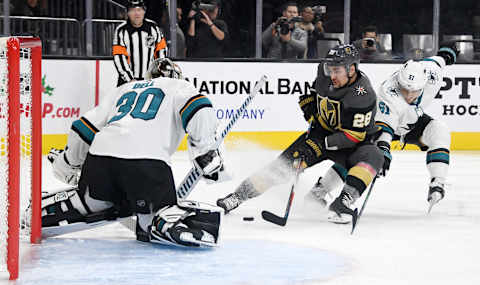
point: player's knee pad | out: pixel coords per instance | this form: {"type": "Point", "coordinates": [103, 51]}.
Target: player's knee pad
{"type": "Point", "coordinates": [436, 135]}
{"type": "Point", "coordinates": [369, 154]}
{"type": "Point", "coordinates": [189, 223]}
{"type": "Point", "coordinates": [72, 206]}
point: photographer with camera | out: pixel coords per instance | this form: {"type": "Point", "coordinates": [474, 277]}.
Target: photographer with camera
{"type": "Point", "coordinates": [282, 39]}
{"type": "Point", "coordinates": [313, 18]}
{"type": "Point", "coordinates": [206, 34]}
{"type": "Point", "coordinates": [369, 45]}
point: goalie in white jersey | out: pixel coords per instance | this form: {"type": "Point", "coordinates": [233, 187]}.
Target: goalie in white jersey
{"type": "Point", "coordinates": [124, 147]}
{"type": "Point", "coordinates": [402, 99]}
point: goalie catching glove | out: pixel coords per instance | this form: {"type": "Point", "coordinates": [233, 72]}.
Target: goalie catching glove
{"type": "Point", "coordinates": [62, 169]}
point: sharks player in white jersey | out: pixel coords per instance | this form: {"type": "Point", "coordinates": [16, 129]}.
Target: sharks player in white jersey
{"type": "Point", "coordinates": [124, 147]}
{"type": "Point", "coordinates": [402, 99]}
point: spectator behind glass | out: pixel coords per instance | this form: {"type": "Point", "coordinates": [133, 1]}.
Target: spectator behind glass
{"type": "Point", "coordinates": [282, 39]}
{"type": "Point", "coordinates": [30, 8]}
{"type": "Point", "coordinates": [165, 26]}
{"type": "Point", "coordinates": [181, 48]}
{"type": "Point", "coordinates": [313, 24]}
{"type": "Point", "coordinates": [369, 46]}
{"type": "Point", "coordinates": [206, 34]}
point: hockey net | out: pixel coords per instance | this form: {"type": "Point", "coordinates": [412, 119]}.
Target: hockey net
{"type": "Point", "coordinates": [20, 147]}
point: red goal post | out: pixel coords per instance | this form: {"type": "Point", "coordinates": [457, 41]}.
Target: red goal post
{"type": "Point", "coordinates": [20, 145]}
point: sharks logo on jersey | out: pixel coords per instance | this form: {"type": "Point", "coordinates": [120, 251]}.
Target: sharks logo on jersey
{"type": "Point", "coordinates": [432, 77]}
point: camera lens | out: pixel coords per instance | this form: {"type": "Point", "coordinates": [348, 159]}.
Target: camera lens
{"type": "Point", "coordinates": [370, 42]}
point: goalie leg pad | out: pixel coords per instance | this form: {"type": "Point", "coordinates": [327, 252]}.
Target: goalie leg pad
{"type": "Point", "coordinates": [190, 224]}
{"type": "Point", "coordinates": [72, 206]}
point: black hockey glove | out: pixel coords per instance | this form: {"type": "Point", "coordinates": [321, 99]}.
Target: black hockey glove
{"type": "Point", "coordinates": [210, 163]}
{"type": "Point", "coordinates": [449, 52]}
{"type": "Point", "coordinates": [308, 104]}
{"type": "Point", "coordinates": [311, 149]}
{"type": "Point", "coordinates": [385, 148]}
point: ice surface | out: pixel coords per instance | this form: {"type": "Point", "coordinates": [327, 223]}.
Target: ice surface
{"type": "Point", "coordinates": [101, 261]}
{"type": "Point", "coordinates": [396, 242]}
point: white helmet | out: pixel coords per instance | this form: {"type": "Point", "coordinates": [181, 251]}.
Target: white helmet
{"type": "Point", "coordinates": [163, 67]}
{"type": "Point", "coordinates": [412, 76]}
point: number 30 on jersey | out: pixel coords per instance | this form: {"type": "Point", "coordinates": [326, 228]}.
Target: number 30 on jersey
{"type": "Point", "coordinates": [362, 120]}
{"type": "Point", "coordinates": [128, 101]}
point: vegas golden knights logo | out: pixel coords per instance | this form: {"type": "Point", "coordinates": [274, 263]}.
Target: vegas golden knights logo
{"type": "Point", "coordinates": [330, 113]}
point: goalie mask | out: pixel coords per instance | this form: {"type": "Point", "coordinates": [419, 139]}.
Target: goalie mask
{"type": "Point", "coordinates": [163, 67]}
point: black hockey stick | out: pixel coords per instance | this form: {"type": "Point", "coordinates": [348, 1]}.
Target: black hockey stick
{"type": "Point", "coordinates": [192, 178]}
{"type": "Point", "coordinates": [282, 221]}
{"type": "Point", "coordinates": [356, 218]}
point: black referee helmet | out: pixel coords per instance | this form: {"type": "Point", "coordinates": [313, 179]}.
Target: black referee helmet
{"type": "Point", "coordinates": [136, 3]}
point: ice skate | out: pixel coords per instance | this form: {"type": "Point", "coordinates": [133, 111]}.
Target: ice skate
{"type": "Point", "coordinates": [230, 202]}
{"type": "Point", "coordinates": [316, 195]}
{"type": "Point", "coordinates": [341, 213]}
{"type": "Point", "coordinates": [436, 192]}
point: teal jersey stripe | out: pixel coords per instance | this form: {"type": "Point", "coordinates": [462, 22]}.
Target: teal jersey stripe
{"type": "Point", "coordinates": [431, 59]}
{"type": "Point", "coordinates": [341, 171]}
{"type": "Point", "coordinates": [83, 131]}
{"type": "Point", "coordinates": [193, 108]}
{"type": "Point", "coordinates": [438, 157]}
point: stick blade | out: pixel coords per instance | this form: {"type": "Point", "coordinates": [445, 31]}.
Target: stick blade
{"type": "Point", "coordinates": [354, 220]}
{"type": "Point", "coordinates": [272, 218]}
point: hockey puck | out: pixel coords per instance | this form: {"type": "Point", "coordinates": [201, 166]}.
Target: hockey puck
{"type": "Point", "coordinates": [249, 219]}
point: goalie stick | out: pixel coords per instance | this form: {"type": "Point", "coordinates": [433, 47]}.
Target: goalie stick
{"type": "Point", "coordinates": [282, 221]}
{"type": "Point", "coordinates": [194, 175]}
{"type": "Point", "coordinates": [192, 178]}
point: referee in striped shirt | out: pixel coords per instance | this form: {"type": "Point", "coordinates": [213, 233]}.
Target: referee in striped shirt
{"type": "Point", "coordinates": [136, 43]}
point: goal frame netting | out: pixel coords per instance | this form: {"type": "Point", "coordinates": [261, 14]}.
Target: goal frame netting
{"type": "Point", "coordinates": [14, 143]}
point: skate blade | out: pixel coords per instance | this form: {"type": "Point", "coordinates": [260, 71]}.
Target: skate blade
{"type": "Point", "coordinates": [342, 219]}
{"type": "Point", "coordinates": [434, 199]}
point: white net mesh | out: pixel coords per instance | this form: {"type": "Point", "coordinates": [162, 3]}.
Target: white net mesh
{"type": "Point", "coordinates": [25, 142]}
{"type": "Point", "coordinates": [3, 153]}
{"type": "Point", "coordinates": [25, 135]}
